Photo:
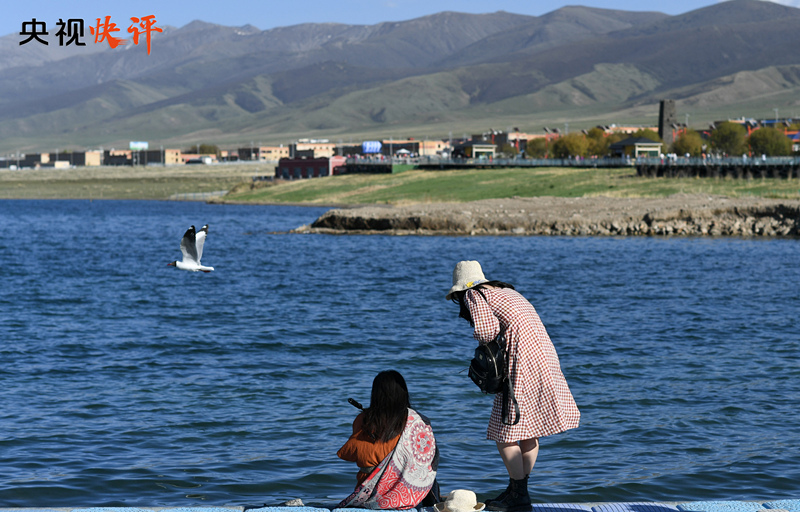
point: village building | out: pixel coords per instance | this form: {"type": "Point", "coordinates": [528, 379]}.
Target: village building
{"type": "Point", "coordinates": [635, 147]}
{"type": "Point", "coordinates": [475, 149]}
{"type": "Point", "coordinates": [301, 168]}
{"type": "Point", "coordinates": [264, 153]}
{"type": "Point", "coordinates": [312, 148]}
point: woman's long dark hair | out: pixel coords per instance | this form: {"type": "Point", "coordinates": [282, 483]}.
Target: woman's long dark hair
{"type": "Point", "coordinates": [388, 407]}
{"type": "Point", "coordinates": [458, 298]}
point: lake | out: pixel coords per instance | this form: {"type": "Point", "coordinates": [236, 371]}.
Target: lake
{"type": "Point", "coordinates": [128, 382]}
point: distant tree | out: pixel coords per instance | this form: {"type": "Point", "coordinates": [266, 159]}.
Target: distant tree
{"type": "Point", "coordinates": [647, 134]}
{"type": "Point", "coordinates": [729, 139]}
{"type": "Point", "coordinates": [203, 149]}
{"type": "Point", "coordinates": [596, 133]}
{"type": "Point", "coordinates": [770, 142]}
{"type": "Point", "coordinates": [572, 144]}
{"type": "Point", "coordinates": [616, 137]}
{"type": "Point", "coordinates": [688, 142]}
{"type": "Point", "coordinates": [598, 142]}
{"type": "Point", "coordinates": [536, 148]}
{"type": "Point", "coordinates": [508, 150]}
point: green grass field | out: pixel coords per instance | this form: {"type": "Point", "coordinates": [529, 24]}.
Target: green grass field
{"type": "Point", "coordinates": [470, 185]}
{"type": "Point", "coordinates": [402, 188]}
{"type": "Point", "coordinates": [123, 182]}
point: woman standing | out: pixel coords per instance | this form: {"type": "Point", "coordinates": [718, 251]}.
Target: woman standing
{"type": "Point", "coordinates": [545, 401]}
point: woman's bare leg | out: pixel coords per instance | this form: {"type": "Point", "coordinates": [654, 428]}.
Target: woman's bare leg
{"type": "Point", "coordinates": [530, 451]}
{"type": "Point", "coordinates": [519, 458]}
{"type": "Point", "coordinates": [512, 458]}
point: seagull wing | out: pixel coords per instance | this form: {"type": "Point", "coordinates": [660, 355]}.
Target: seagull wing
{"type": "Point", "coordinates": [200, 239]}
{"type": "Point", "coordinates": [188, 246]}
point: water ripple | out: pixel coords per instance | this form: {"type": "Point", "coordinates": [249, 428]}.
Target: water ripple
{"type": "Point", "coordinates": [129, 383]}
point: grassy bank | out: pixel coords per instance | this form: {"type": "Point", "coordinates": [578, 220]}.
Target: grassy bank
{"type": "Point", "coordinates": [470, 185]}
{"type": "Point", "coordinates": [124, 182]}
{"type": "Point", "coordinates": [404, 188]}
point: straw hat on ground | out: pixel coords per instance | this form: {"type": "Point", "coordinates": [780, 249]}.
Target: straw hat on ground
{"type": "Point", "coordinates": [466, 275]}
{"type": "Point", "coordinates": [460, 500]}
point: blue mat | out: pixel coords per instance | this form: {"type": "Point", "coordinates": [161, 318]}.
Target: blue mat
{"type": "Point", "coordinates": [793, 505]}
{"type": "Point", "coordinates": [31, 509]}
{"type": "Point", "coordinates": [721, 506]}
{"type": "Point", "coordinates": [387, 510]}
{"type": "Point", "coordinates": [196, 509]}
{"type": "Point", "coordinates": [111, 509]}
{"type": "Point", "coordinates": [559, 507]}
{"type": "Point", "coordinates": [284, 509]}
{"type": "Point", "coordinates": [634, 507]}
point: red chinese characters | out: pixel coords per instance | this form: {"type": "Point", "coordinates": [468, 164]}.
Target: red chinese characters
{"type": "Point", "coordinates": [104, 31]}
{"type": "Point", "coordinates": [146, 25]}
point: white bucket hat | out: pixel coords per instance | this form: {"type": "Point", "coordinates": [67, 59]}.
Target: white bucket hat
{"type": "Point", "coordinates": [466, 275]}
{"type": "Point", "coordinates": [460, 500]}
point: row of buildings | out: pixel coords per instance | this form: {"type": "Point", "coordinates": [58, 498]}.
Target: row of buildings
{"type": "Point", "coordinates": [483, 145]}
{"type": "Point", "coordinates": [321, 157]}
{"type": "Point", "coordinates": [303, 148]}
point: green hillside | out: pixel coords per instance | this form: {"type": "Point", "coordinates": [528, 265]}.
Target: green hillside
{"type": "Point", "coordinates": [448, 73]}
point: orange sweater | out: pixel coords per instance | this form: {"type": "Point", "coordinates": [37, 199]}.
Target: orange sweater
{"type": "Point", "coordinates": [365, 451]}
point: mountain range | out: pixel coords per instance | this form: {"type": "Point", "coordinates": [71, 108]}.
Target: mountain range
{"type": "Point", "coordinates": [448, 73]}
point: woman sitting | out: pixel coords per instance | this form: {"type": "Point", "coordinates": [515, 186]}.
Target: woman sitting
{"type": "Point", "coordinates": [394, 448]}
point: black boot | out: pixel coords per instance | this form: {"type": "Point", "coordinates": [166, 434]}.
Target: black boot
{"type": "Point", "coordinates": [516, 498]}
{"type": "Point", "coordinates": [499, 498]}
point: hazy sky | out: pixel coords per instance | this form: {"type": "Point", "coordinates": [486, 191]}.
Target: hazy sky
{"type": "Point", "coordinates": [270, 14]}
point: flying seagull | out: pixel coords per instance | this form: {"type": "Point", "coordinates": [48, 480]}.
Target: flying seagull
{"type": "Point", "coordinates": [192, 249]}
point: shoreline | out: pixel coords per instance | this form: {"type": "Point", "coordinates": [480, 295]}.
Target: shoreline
{"type": "Point", "coordinates": [786, 505]}
{"type": "Point", "coordinates": [677, 215]}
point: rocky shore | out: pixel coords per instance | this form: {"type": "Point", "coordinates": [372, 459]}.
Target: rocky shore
{"type": "Point", "coordinates": [678, 215]}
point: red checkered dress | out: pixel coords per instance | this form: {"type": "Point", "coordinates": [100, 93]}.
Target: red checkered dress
{"type": "Point", "coordinates": [545, 401]}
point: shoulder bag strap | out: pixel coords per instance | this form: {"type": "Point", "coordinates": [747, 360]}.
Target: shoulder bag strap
{"type": "Point", "coordinates": [499, 337]}
{"type": "Point", "coordinates": [508, 390]}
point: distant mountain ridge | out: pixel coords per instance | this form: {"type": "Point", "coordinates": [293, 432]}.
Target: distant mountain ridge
{"type": "Point", "coordinates": [448, 71]}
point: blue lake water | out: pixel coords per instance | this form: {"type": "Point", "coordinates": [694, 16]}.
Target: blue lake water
{"type": "Point", "coordinates": [128, 382]}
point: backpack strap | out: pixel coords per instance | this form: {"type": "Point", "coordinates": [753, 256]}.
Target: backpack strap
{"type": "Point", "coordinates": [501, 335]}
{"type": "Point", "coordinates": [508, 390]}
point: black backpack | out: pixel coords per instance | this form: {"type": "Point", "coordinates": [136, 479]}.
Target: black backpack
{"type": "Point", "coordinates": [488, 368]}
{"type": "Point", "coordinates": [488, 371]}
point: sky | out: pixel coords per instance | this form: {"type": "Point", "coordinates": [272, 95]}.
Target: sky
{"type": "Point", "coordinates": [271, 13]}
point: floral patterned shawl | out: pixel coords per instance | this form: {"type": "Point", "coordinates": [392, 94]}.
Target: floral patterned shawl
{"type": "Point", "coordinates": [405, 476]}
